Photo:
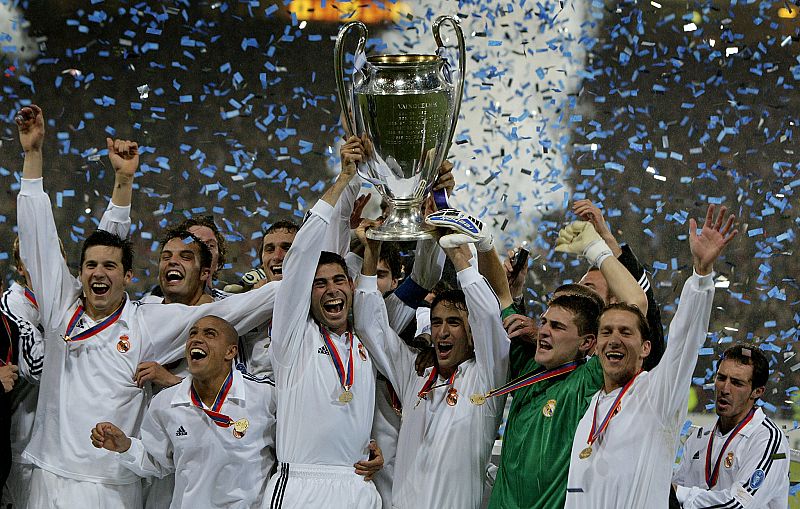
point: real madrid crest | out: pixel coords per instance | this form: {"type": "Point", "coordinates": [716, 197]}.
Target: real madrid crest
{"type": "Point", "coordinates": [452, 396]}
{"type": "Point", "coordinates": [729, 460]}
{"type": "Point", "coordinates": [549, 408]}
{"type": "Point", "coordinates": [362, 352]}
{"type": "Point", "coordinates": [124, 344]}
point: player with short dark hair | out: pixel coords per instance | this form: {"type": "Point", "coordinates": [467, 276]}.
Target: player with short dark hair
{"type": "Point", "coordinates": [743, 460]}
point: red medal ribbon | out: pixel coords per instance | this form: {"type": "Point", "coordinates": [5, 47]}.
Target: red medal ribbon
{"type": "Point", "coordinates": [31, 297]}
{"type": "Point", "coordinates": [394, 399]}
{"type": "Point", "coordinates": [532, 378]}
{"type": "Point", "coordinates": [10, 351]}
{"type": "Point", "coordinates": [594, 433]}
{"type": "Point", "coordinates": [428, 387]}
{"type": "Point", "coordinates": [220, 419]}
{"type": "Point", "coordinates": [92, 331]}
{"type": "Point", "coordinates": [713, 476]}
{"type": "Point", "coordinates": [345, 378]}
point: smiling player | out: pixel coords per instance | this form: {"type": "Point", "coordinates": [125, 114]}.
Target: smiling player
{"type": "Point", "coordinates": [215, 428]}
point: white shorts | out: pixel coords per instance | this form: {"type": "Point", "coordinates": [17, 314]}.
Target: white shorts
{"type": "Point", "coordinates": [18, 486]}
{"type": "Point", "coordinates": [51, 491]}
{"type": "Point", "coordinates": [297, 486]}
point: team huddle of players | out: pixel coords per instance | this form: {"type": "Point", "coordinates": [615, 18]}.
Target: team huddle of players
{"type": "Point", "coordinates": [326, 379]}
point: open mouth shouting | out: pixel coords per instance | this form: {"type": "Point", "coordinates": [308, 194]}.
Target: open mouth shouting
{"type": "Point", "coordinates": [614, 357]}
{"type": "Point", "coordinates": [174, 277]}
{"type": "Point", "coordinates": [197, 353]}
{"type": "Point", "coordinates": [99, 288]}
{"type": "Point", "coordinates": [276, 270]}
{"type": "Point", "coordinates": [333, 307]}
{"type": "Point", "coordinates": [443, 349]}
{"type": "Point", "coordinates": [544, 345]}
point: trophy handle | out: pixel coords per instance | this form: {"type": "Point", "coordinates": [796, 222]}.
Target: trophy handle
{"type": "Point", "coordinates": [338, 69]}
{"type": "Point", "coordinates": [462, 67]}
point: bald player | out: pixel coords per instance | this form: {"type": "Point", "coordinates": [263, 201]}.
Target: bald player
{"type": "Point", "coordinates": [214, 430]}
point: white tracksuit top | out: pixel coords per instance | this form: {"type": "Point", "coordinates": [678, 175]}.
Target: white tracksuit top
{"type": "Point", "coordinates": [92, 381]}
{"type": "Point", "coordinates": [213, 469]}
{"type": "Point", "coordinates": [443, 450]}
{"type": "Point", "coordinates": [313, 427]}
{"type": "Point", "coordinates": [757, 474]}
{"type": "Point", "coordinates": [631, 463]}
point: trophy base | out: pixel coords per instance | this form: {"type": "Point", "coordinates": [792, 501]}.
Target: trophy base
{"type": "Point", "coordinates": [403, 224]}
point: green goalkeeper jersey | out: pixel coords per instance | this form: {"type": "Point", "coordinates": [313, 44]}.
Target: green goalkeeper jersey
{"type": "Point", "coordinates": [538, 438]}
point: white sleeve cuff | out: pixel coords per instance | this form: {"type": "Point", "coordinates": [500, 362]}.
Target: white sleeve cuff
{"type": "Point", "coordinates": [706, 281]}
{"type": "Point", "coordinates": [468, 276]}
{"type": "Point", "coordinates": [118, 213]}
{"type": "Point", "coordinates": [367, 283]}
{"type": "Point", "coordinates": [31, 186]}
{"type": "Point", "coordinates": [134, 453]}
{"type": "Point", "coordinates": [324, 210]}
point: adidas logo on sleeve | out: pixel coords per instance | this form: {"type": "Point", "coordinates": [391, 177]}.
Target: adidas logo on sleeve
{"type": "Point", "coordinates": [181, 432]}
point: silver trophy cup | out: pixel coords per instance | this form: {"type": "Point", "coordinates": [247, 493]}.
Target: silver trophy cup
{"type": "Point", "coordinates": [407, 105]}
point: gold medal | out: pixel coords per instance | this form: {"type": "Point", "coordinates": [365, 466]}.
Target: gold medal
{"type": "Point", "coordinates": [240, 427]}
{"type": "Point", "coordinates": [729, 460]}
{"type": "Point", "coordinates": [66, 338]}
{"type": "Point", "coordinates": [346, 396]}
{"type": "Point", "coordinates": [549, 408]}
{"type": "Point", "coordinates": [585, 453]}
{"type": "Point", "coordinates": [477, 399]}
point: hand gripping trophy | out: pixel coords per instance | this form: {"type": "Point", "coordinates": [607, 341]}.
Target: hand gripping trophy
{"type": "Point", "coordinates": [407, 106]}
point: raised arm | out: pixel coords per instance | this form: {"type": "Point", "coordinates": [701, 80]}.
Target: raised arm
{"type": "Point", "coordinates": [51, 281]}
{"type": "Point", "coordinates": [166, 326]}
{"type": "Point", "coordinates": [588, 211]}
{"type": "Point", "coordinates": [687, 332]}
{"type": "Point", "coordinates": [490, 340]}
{"type": "Point", "coordinates": [299, 269]}
{"type": "Point", "coordinates": [124, 157]}
{"type": "Point", "coordinates": [580, 238]}
{"type": "Point", "coordinates": [390, 354]}
{"type": "Point", "coordinates": [348, 206]}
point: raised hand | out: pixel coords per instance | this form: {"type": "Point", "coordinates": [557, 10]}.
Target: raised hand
{"type": "Point", "coordinates": [521, 327]}
{"type": "Point", "coordinates": [358, 209]}
{"type": "Point", "coordinates": [516, 283]}
{"type": "Point", "coordinates": [107, 436]}
{"type": "Point", "coordinates": [30, 123]}
{"type": "Point", "coordinates": [588, 211]}
{"type": "Point", "coordinates": [461, 228]}
{"type": "Point", "coordinates": [580, 238]}
{"type": "Point", "coordinates": [445, 180]}
{"type": "Point", "coordinates": [712, 239]}
{"type": "Point", "coordinates": [124, 156]}
{"type": "Point", "coordinates": [351, 153]}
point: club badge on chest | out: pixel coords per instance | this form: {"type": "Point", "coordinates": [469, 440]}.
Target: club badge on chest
{"type": "Point", "coordinates": [124, 344]}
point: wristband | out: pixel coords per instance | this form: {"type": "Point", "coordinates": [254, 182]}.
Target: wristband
{"type": "Point", "coordinates": [596, 252]}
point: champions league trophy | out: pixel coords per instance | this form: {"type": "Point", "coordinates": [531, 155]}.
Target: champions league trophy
{"type": "Point", "coordinates": [407, 105]}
